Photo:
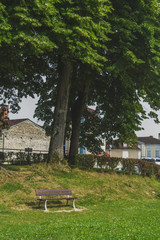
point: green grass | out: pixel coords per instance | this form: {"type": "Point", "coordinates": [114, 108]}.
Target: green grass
{"type": "Point", "coordinates": [110, 220]}
{"type": "Point", "coordinates": [114, 206]}
{"type": "Point", "coordinates": [12, 187]}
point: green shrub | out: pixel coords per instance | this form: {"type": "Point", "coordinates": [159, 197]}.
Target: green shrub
{"type": "Point", "coordinates": [149, 169]}
{"type": "Point", "coordinates": [129, 166]}
{"type": "Point", "coordinates": [85, 160]}
{"type": "Point", "coordinates": [2, 156]}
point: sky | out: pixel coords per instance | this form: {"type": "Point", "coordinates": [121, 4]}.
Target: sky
{"type": "Point", "coordinates": [28, 106]}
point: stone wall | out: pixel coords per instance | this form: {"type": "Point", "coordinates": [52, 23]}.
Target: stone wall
{"type": "Point", "coordinates": [26, 135]}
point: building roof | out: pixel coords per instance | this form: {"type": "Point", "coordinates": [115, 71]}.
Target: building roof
{"type": "Point", "coordinates": [13, 122]}
{"type": "Point", "coordinates": [121, 145]}
{"type": "Point", "coordinates": [149, 140]}
{"type": "Point", "coordinates": [10, 123]}
{"type": "Point", "coordinates": [16, 121]}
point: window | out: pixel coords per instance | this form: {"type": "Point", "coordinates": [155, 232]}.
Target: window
{"type": "Point", "coordinates": [125, 145]}
{"type": "Point", "coordinates": [82, 150]}
{"type": "Point", "coordinates": [157, 146]}
{"type": "Point", "coordinates": [148, 153]}
{"type": "Point", "coordinates": [148, 145]}
{"type": "Point", "coordinates": [125, 154]}
{"type": "Point", "coordinates": [157, 153]}
{"type": "Point", "coordinates": [82, 120]}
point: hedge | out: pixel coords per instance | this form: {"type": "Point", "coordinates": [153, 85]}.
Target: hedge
{"type": "Point", "coordinates": [20, 158]}
{"type": "Point", "coordinates": [129, 166]}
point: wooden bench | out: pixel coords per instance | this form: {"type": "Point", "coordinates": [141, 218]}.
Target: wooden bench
{"type": "Point", "coordinates": [55, 192]}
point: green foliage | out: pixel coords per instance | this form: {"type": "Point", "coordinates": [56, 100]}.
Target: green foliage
{"type": "Point", "coordinates": [134, 51]}
{"type": "Point", "coordinates": [118, 40]}
{"type": "Point", "coordinates": [22, 158]}
{"type": "Point", "coordinates": [105, 162]}
{"type": "Point", "coordinates": [91, 132]}
{"type": "Point", "coordinates": [85, 160]}
{"type": "Point", "coordinates": [2, 156]}
{"type": "Point", "coordinates": [74, 29]}
{"type": "Point", "coordinates": [129, 166]}
{"type": "Point", "coordinates": [131, 73]}
{"type": "Point", "coordinates": [5, 27]}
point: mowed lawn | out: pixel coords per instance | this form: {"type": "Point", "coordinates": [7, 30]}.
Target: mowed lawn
{"type": "Point", "coordinates": [110, 220]}
{"type": "Point", "coordinates": [113, 206]}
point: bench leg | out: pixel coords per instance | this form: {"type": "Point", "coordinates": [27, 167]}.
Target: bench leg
{"type": "Point", "coordinates": [39, 203]}
{"type": "Point", "coordinates": [67, 203]}
{"type": "Point", "coordinates": [74, 204]}
{"type": "Point", "coordinates": [45, 206]}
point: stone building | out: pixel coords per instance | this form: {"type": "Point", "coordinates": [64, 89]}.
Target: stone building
{"type": "Point", "coordinates": [22, 134]}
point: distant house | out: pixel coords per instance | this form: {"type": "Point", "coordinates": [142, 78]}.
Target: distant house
{"type": "Point", "coordinates": [150, 147]}
{"type": "Point", "coordinates": [21, 134]}
{"type": "Point", "coordinates": [123, 150]}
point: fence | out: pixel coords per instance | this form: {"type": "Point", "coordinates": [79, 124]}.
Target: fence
{"type": "Point", "coordinates": [22, 157]}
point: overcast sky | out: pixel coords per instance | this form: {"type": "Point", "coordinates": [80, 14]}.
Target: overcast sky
{"type": "Point", "coordinates": [27, 110]}
{"type": "Point", "coordinates": [28, 106]}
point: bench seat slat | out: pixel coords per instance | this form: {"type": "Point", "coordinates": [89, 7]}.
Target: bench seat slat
{"type": "Point", "coordinates": [44, 199]}
{"type": "Point", "coordinates": [54, 192]}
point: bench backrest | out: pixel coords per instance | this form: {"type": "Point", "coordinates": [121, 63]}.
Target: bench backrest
{"type": "Point", "coordinates": [53, 192]}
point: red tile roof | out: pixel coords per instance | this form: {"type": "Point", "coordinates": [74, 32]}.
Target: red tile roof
{"type": "Point", "coordinates": [16, 121]}
{"type": "Point", "coordinates": [120, 145]}
{"type": "Point", "coordinates": [12, 122]}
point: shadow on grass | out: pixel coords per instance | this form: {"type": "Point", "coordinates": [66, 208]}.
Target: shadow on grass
{"type": "Point", "coordinates": [54, 205]}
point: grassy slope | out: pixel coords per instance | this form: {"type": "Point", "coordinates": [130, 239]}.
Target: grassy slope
{"type": "Point", "coordinates": [18, 184]}
{"type": "Point", "coordinates": [109, 212]}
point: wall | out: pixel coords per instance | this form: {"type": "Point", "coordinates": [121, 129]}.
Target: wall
{"type": "Point", "coordinates": [153, 148]}
{"type": "Point", "coordinates": [132, 153]}
{"type": "Point", "coordinates": [26, 135]}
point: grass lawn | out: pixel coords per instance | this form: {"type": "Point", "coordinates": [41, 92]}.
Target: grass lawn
{"type": "Point", "coordinates": [110, 220]}
{"type": "Point", "coordinates": [114, 206]}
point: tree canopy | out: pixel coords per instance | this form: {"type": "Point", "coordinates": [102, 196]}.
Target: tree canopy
{"type": "Point", "coordinates": [76, 53]}
{"type": "Point", "coordinates": [60, 32]}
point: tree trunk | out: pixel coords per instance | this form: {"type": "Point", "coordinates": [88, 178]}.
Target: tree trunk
{"type": "Point", "coordinates": [76, 122]}
{"type": "Point", "coordinates": [77, 111]}
{"type": "Point", "coordinates": [57, 137]}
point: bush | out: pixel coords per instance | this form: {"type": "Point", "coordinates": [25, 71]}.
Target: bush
{"type": "Point", "coordinates": [85, 160]}
{"type": "Point", "coordinates": [20, 158]}
{"type": "Point", "coordinates": [2, 156]}
{"type": "Point", "coordinates": [149, 168]}
{"type": "Point", "coordinates": [104, 161]}
{"type": "Point", "coordinates": [129, 166]}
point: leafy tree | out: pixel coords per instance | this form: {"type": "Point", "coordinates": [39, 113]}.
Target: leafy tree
{"type": "Point", "coordinates": [130, 74]}
{"type": "Point", "coordinates": [3, 117]}
{"type": "Point", "coordinates": [69, 39]}
{"type": "Point", "coordinates": [133, 51]}
{"type": "Point", "coordinates": [127, 77]}
{"type": "Point", "coordinates": [69, 31]}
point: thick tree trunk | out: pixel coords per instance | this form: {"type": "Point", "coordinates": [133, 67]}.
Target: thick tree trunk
{"type": "Point", "coordinates": [77, 111]}
{"type": "Point", "coordinates": [57, 137]}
